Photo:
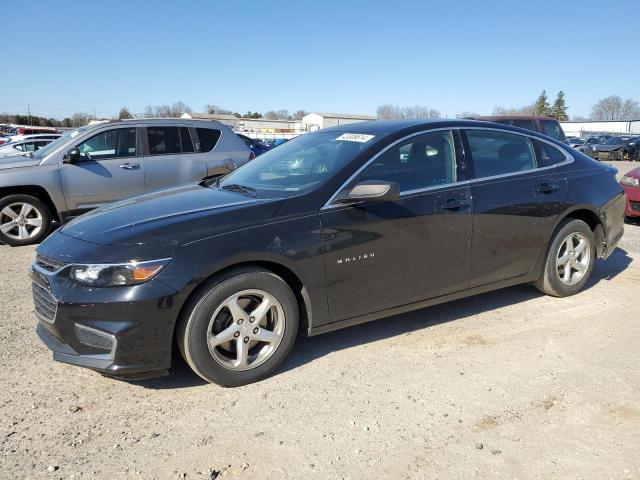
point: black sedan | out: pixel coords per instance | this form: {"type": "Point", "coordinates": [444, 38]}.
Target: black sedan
{"type": "Point", "coordinates": [402, 215]}
{"type": "Point", "coordinates": [617, 148]}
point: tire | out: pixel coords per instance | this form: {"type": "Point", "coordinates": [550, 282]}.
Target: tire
{"type": "Point", "coordinates": [24, 220]}
{"type": "Point", "coordinates": [554, 277]}
{"type": "Point", "coordinates": [209, 319]}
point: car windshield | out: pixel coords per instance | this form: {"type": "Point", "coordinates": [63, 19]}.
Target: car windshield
{"type": "Point", "coordinates": [613, 141]}
{"type": "Point", "coordinates": [298, 165]}
{"type": "Point", "coordinates": [51, 147]}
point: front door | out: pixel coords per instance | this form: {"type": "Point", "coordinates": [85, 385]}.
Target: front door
{"type": "Point", "coordinates": [109, 169]}
{"type": "Point", "coordinates": [387, 254]}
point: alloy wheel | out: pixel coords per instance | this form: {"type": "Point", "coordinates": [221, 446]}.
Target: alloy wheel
{"type": "Point", "coordinates": [246, 330]}
{"type": "Point", "coordinates": [20, 221]}
{"type": "Point", "coordinates": [572, 260]}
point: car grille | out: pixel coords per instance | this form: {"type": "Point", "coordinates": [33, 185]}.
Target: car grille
{"type": "Point", "coordinates": [635, 206]}
{"type": "Point", "coordinates": [49, 264]}
{"type": "Point", "coordinates": [46, 306]}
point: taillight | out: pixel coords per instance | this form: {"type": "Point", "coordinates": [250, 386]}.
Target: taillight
{"type": "Point", "coordinates": [251, 156]}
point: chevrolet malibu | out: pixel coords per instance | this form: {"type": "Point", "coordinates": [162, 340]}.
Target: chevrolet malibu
{"type": "Point", "coordinates": [402, 215]}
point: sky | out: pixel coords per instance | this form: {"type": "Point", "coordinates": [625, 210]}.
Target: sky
{"type": "Point", "coordinates": [326, 56]}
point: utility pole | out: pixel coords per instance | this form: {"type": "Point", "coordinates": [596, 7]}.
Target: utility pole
{"type": "Point", "coordinates": [29, 113]}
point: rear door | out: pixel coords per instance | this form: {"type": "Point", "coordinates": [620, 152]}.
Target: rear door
{"type": "Point", "coordinates": [515, 201]}
{"type": "Point", "coordinates": [386, 254]}
{"type": "Point", "coordinates": [110, 169]}
{"type": "Point", "coordinates": [171, 158]}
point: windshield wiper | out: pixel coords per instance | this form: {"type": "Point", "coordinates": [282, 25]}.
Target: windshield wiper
{"type": "Point", "coordinates": [236, 187]}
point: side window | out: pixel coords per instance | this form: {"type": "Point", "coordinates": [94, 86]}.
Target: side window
{"type": "Point", "coordinates": [163, 140]}
{"type": "Point", "coordinates": [422, 161]}
{"type": "Point", "coordinates": [185, 140]}
{"type": "Point", "coordinates": [528, 124]}
{"type": "Point", "coordinates": [115, 143]}
{"type": "Point", "coordinates": [553, 129]}
{"type": "Point", "coordinates": [208, 138]}
{"type": "Point", "coordinates": [499, 153]}
{"type": "Point", "coordinates": [547, 155]}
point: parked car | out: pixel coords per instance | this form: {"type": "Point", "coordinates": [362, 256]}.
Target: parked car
{"type": "Point", "coordinates": [229, 270]}
{"type": "Point", "coordinates": [23, 147]}
{"type": "Point", "coordinates": [617, 148]}
{"type": "Point", "coordinates": [630, 181]}
{"type": "Point", "coordinates": [256, 146]}
{"type": "Point", "coordinates": [34, 136]}
{"type": "Point", "coordinates": [574, 141]}
{"type": "Point", "coordinates": [95, 165]}
{"type": "Point", "coordinates": [545, 125]}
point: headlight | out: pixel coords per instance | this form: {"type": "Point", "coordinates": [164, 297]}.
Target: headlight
{"type": "Point", "coordinates": [117, 274]}
{"type": "Point", "coordinates": [630, 181]}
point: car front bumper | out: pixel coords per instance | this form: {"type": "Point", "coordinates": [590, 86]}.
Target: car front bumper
{"type": "Point", "coordinates": [121, 331]}
{"type": "Point", "coordinates": [632, 208]}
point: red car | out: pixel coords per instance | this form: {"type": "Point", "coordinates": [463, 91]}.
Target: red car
{"type": "Point", "coordinates": [631, 184]}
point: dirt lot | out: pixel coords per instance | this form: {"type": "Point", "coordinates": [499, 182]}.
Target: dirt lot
{"type": "Point", "coordinates": [510, 384]}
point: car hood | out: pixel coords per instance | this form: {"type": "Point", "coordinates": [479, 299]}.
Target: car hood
{"type": "Point", "coordinates": [171, 217]}
{"type": "Point", "coordinates": [635, 173]}
{"type": "Point", "coordinates": [17, 161]}
{"type": "Point", "coordinates": [608, 148]}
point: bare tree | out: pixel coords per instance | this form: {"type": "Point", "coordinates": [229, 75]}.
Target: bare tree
{"type": "Point", "coordinates": [614, 108]}
{"type": "Point", "coordinates": [526, 110]}
{"type": "Point", "coordinates": [210, 108]}
{"type": "Point", "coordinates": [579, 118]}
{"type": "Point", "coordinates": [124, 113]}
{"type": "Point", "coordinates": [466, 114]}
{"type": "Point", "coordinates": [299, 114]}
{"type": "Point", "coordinates": [388, 112]}
{"type": "Point", "coordinates": [175, 110]}
{"type": "Point", "coordinates": [80, 119]}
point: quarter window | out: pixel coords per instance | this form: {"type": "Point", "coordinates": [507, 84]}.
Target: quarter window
{"type": "Point", "coordinates": [208, 138]}
{"type": "Point", "coordinates": [423, 161]}
{"type": "Point", "coordinates": [116, 143]}
{"type": "Point", "coordinates": [547, 155]}
{"type": "Point", "coordinates": [499, 153]}
{"type": "Point", "coordinates": [553, 129]}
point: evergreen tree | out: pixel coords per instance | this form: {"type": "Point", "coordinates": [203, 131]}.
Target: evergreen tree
{"type": "Point", "coordinates": [124, 113]}
{"type": "Point", "coordinates": [541, 107]}
{"type": "Point", "coordinates": [559, 109]}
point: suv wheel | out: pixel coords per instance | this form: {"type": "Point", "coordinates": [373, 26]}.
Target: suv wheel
{"type": "Point", "coordinates": [239, 330]}
{"type": "Point", "coordinates": [23, 220]}
{"type": "Point", "coordinates": [569, 261]}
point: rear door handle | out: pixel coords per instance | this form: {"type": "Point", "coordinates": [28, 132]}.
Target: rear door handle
{"type": "Point", "coordinates": [130, 166]}
{"type": "Point", "coordinates": [547, 187]}
{"type": "Point", "coordinates": [455, 203]}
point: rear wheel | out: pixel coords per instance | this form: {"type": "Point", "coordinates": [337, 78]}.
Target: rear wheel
{"type": "Point", "coordinates": [239, 330]}
{"type": "Point", "coordinates": [569, 261]}
{"type": "Point", "coordinates": [24, 220]}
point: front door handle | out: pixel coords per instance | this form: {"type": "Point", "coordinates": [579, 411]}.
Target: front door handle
{"type": "Point", "coordinates": [130, 166]}
{"type": "Point", "coordinates": [547, 187]}
{"type": "Point", "coordinates": [455, 203]}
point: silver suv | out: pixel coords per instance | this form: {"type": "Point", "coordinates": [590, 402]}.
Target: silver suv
{"type": "Point", "coordinates": [98, 164]}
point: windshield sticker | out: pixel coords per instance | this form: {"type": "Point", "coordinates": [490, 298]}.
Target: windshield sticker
{"type": "Point", "coordinates": [355, 137]}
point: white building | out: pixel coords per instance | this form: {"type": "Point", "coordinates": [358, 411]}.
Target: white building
{"type": "Point", "coordinates": [316, 121]}
{"type": "Point", "coordinates": [588, 128]}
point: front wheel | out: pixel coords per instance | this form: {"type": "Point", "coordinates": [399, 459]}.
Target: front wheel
{"type": "Point", "coordinates": [239, 330]}
{"type": "Point", "coordinates": [24, 220]}
{"type": "Point", "coordinates": [569, 261]}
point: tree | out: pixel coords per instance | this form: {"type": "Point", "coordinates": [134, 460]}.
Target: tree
{"type": "Point", "coordinates": [210, 108]}
{"type": "Point", "coordinates": [541, 107]}
{"type": "Point", "coordinates": [526, 110]}
{"type": "Point", "coordinates": [390, 112]}
{"type": "Point", "coordinates": [80, 119]}
{"type": "Point", "coordinates": [559, 109]}
{"type": "Point", "coordinates": [174, 110]}
{"type": "Point", "coordinates": [124, 114]}
{"type": "Point", "coordinates": [299, 114]}
{"type": "Point", "coordinates": [614, 108]}
{"type": "Point", "coordinates": [466, 114]}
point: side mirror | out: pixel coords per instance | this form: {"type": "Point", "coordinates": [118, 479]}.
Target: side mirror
{"type": "Point", "coordinates": [371, 191]}
{"type": "Point", "coordinates": [72, 156]}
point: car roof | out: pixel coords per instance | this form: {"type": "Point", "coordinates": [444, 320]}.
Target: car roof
{"type": "Point", "coordinates": [510, 117]}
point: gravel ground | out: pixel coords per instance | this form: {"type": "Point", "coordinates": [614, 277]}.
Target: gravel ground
{"type": "Point", "coordinates": [509, 384]}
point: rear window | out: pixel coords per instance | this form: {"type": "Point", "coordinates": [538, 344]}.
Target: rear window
{"type": "Point", "coordinates": [208, 138]}
{"type": "Point", "coordinates": [553, 129]}
{"type": "Point", "coordinates": [163, 140]}
{"type": "Point", "coordinates": [528, 124]}
{"type": "Point", "coordinates": [499, 153]}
